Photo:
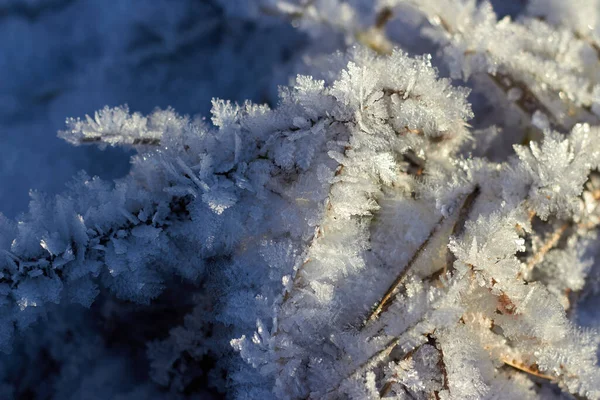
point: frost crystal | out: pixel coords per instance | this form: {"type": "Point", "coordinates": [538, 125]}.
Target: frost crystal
{"type": "Point", "coordinates": [359, 240]}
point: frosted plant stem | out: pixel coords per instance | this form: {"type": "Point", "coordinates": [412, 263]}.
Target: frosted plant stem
{"type": "Point", "coordinates": [136, 142]}
{"type": "Point", "coordinates": [463, 213]}
{"type": "Point", "coordinates": [381, 304]}
{"type": "Point", "coordinates": [373, 37]}
{"type": "Point", "coordinates": [549, 245]}
{"type": "Point", "coordinates": [531, 369]}
{"type": "Point", "coordinates": [528, 103]}
{"type": "Point", "coordinates": [373, 361]}
{"type": "Point", "coordinates": [388, 385]}
{"type": "Point", "coordinates": [459, 226]}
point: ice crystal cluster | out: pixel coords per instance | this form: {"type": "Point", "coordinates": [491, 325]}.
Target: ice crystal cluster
{"type": "Point", "coordinates": [382, 232]}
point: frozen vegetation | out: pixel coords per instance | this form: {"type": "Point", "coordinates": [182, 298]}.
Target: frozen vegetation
{"type": "Point", "coordinates": [414, 214]}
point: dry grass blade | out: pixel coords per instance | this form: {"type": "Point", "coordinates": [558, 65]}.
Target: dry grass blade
{"type": "Point", "coordinates": [463, 213]}
{"type": "Point", "coordinates": [459, 225]}
{"type": "Point", "coordinates": [386, 388]}
{"type": "Point", "coordinates": [383, 17]}
{"type": "Point", "coordinates": [379, 307]}
{"type": "Point", "coordinates": [529, 369]}
{"type": "Point", "coordinates": [136, 142]}
{"type": "Point", "coordinates": [388, 385]}
{"type": "Point", "coordinates": [374, 360]}
{"type": "Point", "coordinates": [528, 103]}
{"type": "Point", "coordinates": [548, 245]}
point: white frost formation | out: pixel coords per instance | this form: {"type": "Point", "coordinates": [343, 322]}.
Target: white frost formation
{"type": "Point", "coordinates": [359, 240]}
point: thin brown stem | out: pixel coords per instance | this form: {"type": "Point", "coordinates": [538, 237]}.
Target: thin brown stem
{"type": "Point", "coordinates": [383, 17]}
{"type": "Point", "coordinates": [459, 226]}
{"type": "Point", "coordinates": [528, 102]}
{"type": "Point", "coordinates": [386, 388]}
{"type": "Point", "coordinates": [135, 142]}
{"type": "Point", "coordinates": [388, 385]}
{"type": "Point", "coordinates": [547, 246]}
{"type": "Point", "coordinates": [373, 37]}
{"type": "Point", "coordinates": [373, 361]}
{"type": "Point", "coordinates": [528, 369]}
{"type": "Point", "coordinates": [589, 41]}
{"type": "Point", "coordinates": [389, 293]}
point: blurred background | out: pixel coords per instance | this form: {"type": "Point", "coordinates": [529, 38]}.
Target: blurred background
{"type": "Point", "coordinates": [69, 58]}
